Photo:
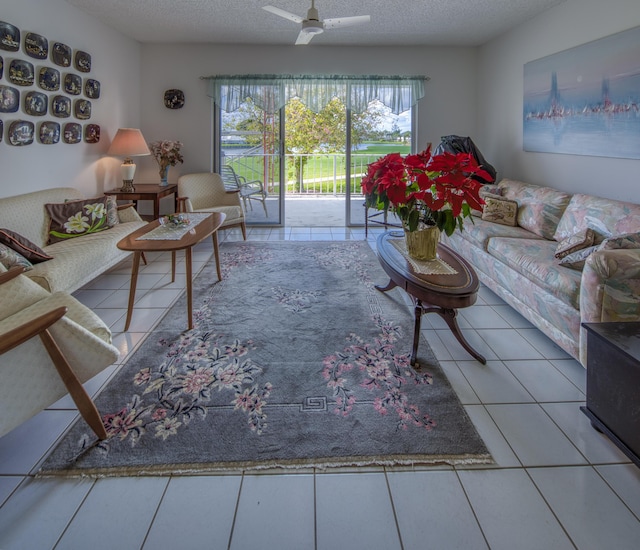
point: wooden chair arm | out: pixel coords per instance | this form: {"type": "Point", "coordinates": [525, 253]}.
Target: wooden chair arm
{"type": "Point", "coordinates": [21, 334]}
{"type": "Point", "coordinates": [11, 274]}
{"type": "Point", "coordinates": [126, 205]}
{"type": "Point", "coordinates": [180, 203]}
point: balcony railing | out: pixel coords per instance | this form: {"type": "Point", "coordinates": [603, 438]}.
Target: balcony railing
{"type": "Point", "coordinates": [306, 174]}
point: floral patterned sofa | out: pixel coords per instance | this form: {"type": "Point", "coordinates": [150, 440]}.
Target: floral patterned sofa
{"type": "Point", "coordinates": [75, 261]}
{"type": "Point", "coordinates": [598, 279]}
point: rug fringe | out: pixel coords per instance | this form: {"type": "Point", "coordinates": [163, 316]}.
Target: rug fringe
{"type": "Point", "coordinates": [296, 465]}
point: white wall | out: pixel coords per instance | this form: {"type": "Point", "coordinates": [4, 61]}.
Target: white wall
{"type": "Point", "coordinates": [449, 106]}
{"type": "Point", "coordinates": [501, 62]}
{"type": "Point", "coordinates": [115, 63]}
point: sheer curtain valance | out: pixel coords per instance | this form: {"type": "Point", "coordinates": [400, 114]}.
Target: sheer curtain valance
{"type": "Point", "coordinates": [271, 92]}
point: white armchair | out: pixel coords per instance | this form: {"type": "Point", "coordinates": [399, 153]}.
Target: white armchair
{"type": "Point", "coordinates": [50, 344]}
{"type": "Point", "coordinates": [205, 192]}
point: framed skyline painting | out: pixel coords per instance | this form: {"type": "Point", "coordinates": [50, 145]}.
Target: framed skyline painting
{"type": "Point", "coordinates": [586, 100]}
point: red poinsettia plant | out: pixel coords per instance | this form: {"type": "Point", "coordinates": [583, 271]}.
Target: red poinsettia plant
{"type": "Point", "coordinates": [425, 190]}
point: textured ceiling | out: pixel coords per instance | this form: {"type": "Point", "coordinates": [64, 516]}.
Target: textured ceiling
{"type": "Point", "coordinates": [393, 22]}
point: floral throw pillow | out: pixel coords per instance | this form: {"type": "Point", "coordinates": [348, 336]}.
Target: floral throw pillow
{"type": "Point", "coordinates": [76, 218]}
{"type": "Point", "coordinates": [10, 258]}
{"type": "Point", "coordinates": [487, 191]}
{"type": "Point", "coordinates": [577, 241]}
{"type": "Point", "coordinates": [499, 210]}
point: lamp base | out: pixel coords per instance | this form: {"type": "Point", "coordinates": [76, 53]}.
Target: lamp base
{"type": "Point", "coordinates": [127, 186]}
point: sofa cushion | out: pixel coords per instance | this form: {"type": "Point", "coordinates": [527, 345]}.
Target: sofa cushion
{"type": "Point", "coordinates": [630, 240]}
{"type": "Point", "coordinates": [480, 232]}
{"type": "Point", "coordinates": [577, 241]}
{"type": "Point", "coordinates": [76, 218]}
{"type": "Point", "coordinates": [539, 208]}
{"type": "Point", "coordinates": [499, 210]}
{"type": "Point", "coordinates": [534, 258]}
{"type": "Point", "coordinates": [23, 246]}
{"type": "Point", "coordinates": [608, 218]}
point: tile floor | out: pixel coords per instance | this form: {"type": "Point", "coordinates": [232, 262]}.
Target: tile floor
{"type": "Point", "coordinates": [556, 483]}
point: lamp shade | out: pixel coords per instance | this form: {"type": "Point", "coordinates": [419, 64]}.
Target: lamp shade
{"type": "Point", "coordinates": [129, 142]}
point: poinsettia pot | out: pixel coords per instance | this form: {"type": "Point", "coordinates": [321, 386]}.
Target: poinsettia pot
{"type": "Point", "coordinates": [422, 244]}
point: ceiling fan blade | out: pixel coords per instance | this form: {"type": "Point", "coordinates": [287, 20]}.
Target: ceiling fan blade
{"type": "Point", "coordinates": [304, 38]}
{"type": "Point", "coordinates": [338, 22]}
{"type": "Point", "coordinates": [282, 13]}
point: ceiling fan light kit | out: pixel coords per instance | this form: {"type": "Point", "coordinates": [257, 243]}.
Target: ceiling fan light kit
{"type": "Point", "coordinates": [313, 25]}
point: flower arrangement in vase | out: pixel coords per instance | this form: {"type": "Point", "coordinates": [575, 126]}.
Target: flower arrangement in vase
{"type": "Point", "coordinates": [167, 153]}
{"type": "Point", "coordinates": [425, 191]}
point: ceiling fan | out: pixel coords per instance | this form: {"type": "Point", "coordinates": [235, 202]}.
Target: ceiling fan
{"type": "Point", "coordinates": [313, 25]}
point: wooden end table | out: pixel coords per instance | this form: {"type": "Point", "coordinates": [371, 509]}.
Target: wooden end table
{"type": "Point", "coordinates": [198, 232]}
{"type": "Point", "coordinates": [431, 293]}
{"type": "Point", "coordinates": [148, 192]}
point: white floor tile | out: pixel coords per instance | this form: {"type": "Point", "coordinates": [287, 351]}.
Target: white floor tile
{"type": "Point", "coordinates": [433, 512]}
{"type": "Point", "coordinates": [23, 447]}
{"type": "Point", "coordinates": [489, 297]}
{"type": "Point", "coordinates": [161, 297]}
{"type": "Point", "coordinates": [483, 317]}
{"type": "Point", "coordinates": [595, 446]}
{"type": "Point", "coordinates": [143, 320]}
{"type": "Point", "coordinates": [91, 386]}
{"type": "Point", "coordinates": [39, 511]}
{"type": "Point", "coordinates": [91, 298]}
{"type": "Point", "coordinates": [459, 383]}
{"type": "Point", "coordinates": [512, 316]}
{"type": "Point", "coordinates": [533, 436]}
{"type": "Point", "coordinates": [494, 383]}
{"type": "Point", "coordinates": [354, 511]}
{"type": "Point", "coordinates": [543, 344]}
{"type": "Point", "coordinates": [624, 479]}
{"type": "Point", "coordinates": [130, 502]}
{"type": "Point", "coordinates": [511, 512]}
{"type": "Point", "coordinates": [7, 485]}
{"type": "Point", "coordinates": [275, 511]}
{"type": "Point", "coordinates": [195, 512]}
{"type": "Point", "coordinates": [497, 445]}
{"type": "Point", "coordinates": [589, 510]}
{"type": "Point", "coordinates": [475, 340]}
{"type": "Point", "coordinates": [508, 344]}
{"type": "Point", "coordinates": [544, 381]}
{"type": "Point", "coordinates": [573, 370]}
{"type": "Point", "coordinates": [127, 342]}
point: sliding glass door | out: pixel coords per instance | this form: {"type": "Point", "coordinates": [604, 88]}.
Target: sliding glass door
{"type": "Point", "coordinates": [299, 146]}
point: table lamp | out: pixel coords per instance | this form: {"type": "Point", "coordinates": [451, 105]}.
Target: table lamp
{"type": "Point", "coordinates": [128, 142]}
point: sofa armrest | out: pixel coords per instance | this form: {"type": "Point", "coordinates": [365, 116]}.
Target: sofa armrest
{"type": "Point", "coordinates": [129, 214]}
{"type": "Point", "coordinates": [610, 286]}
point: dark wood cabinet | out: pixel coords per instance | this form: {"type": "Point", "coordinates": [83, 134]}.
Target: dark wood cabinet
{"type": "Point", "coordinates": [613, 383]}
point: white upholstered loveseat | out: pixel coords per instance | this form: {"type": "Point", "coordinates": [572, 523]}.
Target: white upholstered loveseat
{"type": "Point", "coordinates": [75, 261]}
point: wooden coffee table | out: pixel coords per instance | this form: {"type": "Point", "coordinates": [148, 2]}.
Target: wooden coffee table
{"type": "Point", "coordinates": [431, 293]}
{"type": "Point", "coordinates": [197, 233]}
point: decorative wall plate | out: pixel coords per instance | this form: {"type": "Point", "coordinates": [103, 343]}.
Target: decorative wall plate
{"type": "Point", "coordinates": [61, 106]}
{"type": "Point", "coordinates": [21, 72]}
{"type": "Point", "coordinates": [9, 99]}
{"type": "Point", "coordinates": [174, 99]}
{"type": "Point", "coordinates": [35, 103]}
{"type": "Point", "coordinates": [92, 88]}
{"type": "Point", "coordinates": [1, 66]}
{"type": "Point", "coordinates": [21, 132]}
{"type": "Point", "coordinates": [92, 133]}
{"type": "Point", "coordinates": [49, 132]}
{"type": "Point", "coordinates": [9, 37]}
{"type": "Point", "coordinates": [72, 132]}
{"type": "Point", "coordinates": [82, 61]}
{"type": "Point", "coordinates": [82, 109]}
{"type": "Point", "coordinates": [61, 54]}
{"type": "Point", "coordinates": [36, 45]}
{"type": "Point", "coordinates": [72, 84]}
{"type": "Point", "coordinates": [49, 79]}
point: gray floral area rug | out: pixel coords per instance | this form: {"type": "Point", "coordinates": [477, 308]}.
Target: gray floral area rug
{"type": "Point", "coordinates": [295, 360]}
